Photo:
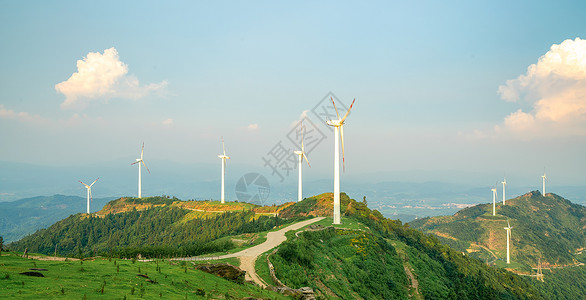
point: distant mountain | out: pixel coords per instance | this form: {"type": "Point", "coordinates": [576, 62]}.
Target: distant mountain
{"type": "Point", "coordinates": [25, 216]}
{"type": "Point", "coordinates": [547, 228]}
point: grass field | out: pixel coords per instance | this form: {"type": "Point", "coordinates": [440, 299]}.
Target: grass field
{"type": "Point", "coordinates": [117, 279]}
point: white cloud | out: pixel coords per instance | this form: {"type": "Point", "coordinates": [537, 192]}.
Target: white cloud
{"type": "Point", "coordinates": [167, 122]}
{"type": "Point", "coordinates": [252, 127]}
{"type": "Point", "coordinates": [555, 87]}
{"type": "Point", "coordinates": [102, 76]}
{"type": "Point", "coordinates": [20, 116]}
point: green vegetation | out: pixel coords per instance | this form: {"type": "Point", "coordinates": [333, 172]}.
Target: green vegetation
{"type": "Point", "coordinates": [117, 279]}
{"type": "Point", "coordinates": [567, 283]}
{"type": "Point", "coordinates": [154, 232]}
{"type": "Point", "coordinates": [341, 263]}
{"type": "Point", "coordinates": [548, 228]}
{"type": "Point", "coordinates": [367, 256]}
{"type": "Point", "coordinates": [336, 263]}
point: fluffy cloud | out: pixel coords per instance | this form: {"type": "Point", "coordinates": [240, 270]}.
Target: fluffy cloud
{"type": "Point", "coordinates": [167, 122]}
{"type": "Point", "coordinates": [555, 87]}
{"type": "Point", "coordinates": [252, 127]}
{"type": "Point", "coordinates": [102, 76]}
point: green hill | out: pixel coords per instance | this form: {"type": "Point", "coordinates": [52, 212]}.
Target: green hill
{"type": "Point", "coordinates": [547, 228]}
{"type": "Point", "coordinates": [387, 260]}
{"type": "Point", "coordinates": [151, 227]}
{"type": "Point", "coordinates": [366, 257]}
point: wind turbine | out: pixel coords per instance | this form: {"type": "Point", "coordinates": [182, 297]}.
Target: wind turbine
{"type": "Point", "coordinates": [504, 182]}
{"type": "Point", "coordinates": [139, 161]}
{"type": "Point", "coordinates": [223, 157]}
{"type": "Point", "coordinates": [508, 229]}
{"type": "Point", "coordinates": [543, 177]}
{"type": "Point", "coordinates": [494, 200]}
{"type": "Point", "coordinates": [301, 155]}
{"type": "Point", "coordinates": [338, 133]}
{"type": "Point", "coordinates": [89, 193]}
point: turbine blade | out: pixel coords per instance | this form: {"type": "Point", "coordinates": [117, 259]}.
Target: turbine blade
{"type": "Point", "coordinates": [145, 166]}
{"type": "Point", "coordinates": [335, 107]}
{"type": "Point", "coordinates": [348, 112]}
{"type": "Point", "coordinates": [84, 184]}
{"type": "Point", "coordinates": [94, 181]}
{"type": "Point", "coordinates": [135, 162]}
{"type": "Point", "coordinates": [343, 155]}
{"type": "Point", "coordinates": [305, 156]}
{"type": "Point", "coordinates": [91, 198]}
{"type": "Point", "coordinates": [302, 135]}
{"type": "Point", "coordinates": [142, 151]}
{"type": "Point", "coordinates": [223, 147]}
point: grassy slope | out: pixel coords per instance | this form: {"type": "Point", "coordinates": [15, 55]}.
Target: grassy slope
{"type": "Point", "coordinates": [334, 265]}
{"type": "Point", "coordinates": [76, 279]}
{"type": "Point", "coordinates": [550, 228]}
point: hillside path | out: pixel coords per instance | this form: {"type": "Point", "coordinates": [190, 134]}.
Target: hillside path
{"type": "Point", "coordinates": [248, 256]}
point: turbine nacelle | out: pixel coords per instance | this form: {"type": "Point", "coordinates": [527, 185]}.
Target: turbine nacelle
{"type": "Point", "coordinates": [335, 123]}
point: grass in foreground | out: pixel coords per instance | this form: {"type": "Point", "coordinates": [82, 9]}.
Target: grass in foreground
{"type": "Point", "coordinates": [117, 279]}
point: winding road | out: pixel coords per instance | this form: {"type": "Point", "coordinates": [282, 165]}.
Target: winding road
{"type": "Point", "coordinates": [248, 256]}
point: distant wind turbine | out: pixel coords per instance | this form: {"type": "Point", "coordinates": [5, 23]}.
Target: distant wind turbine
{"type": "Point", "coordinates": [494, 200]}
{"type": "Point", "coordinates": [508, 229]}
{"type": "Point", "coordinates": [140, 161]}
{"type": "Point", "coordinates": [89, 193]}
{"type": "Point", "coordinates": [338, 133]}
{"type": "Point", "coordinates": [223, 157]}
{"type": "Point", "coordinates": [504, 182]}
{"type": "Point", "coordinates": [543, 177]}
{"type": "Point", "coordinates": [301, 155]}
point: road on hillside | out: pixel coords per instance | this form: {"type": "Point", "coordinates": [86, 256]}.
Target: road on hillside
{"type": "Point", "coordinates": [248, 256]}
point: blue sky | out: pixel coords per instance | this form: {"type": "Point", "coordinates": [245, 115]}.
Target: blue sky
{"type": "Point", "coordinates": [426, 77]}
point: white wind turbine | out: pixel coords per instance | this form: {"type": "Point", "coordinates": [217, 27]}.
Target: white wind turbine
{"type": "Point", "coordinates": [338, 133]}
{"type": "Point", "coordinates": [494, 200]}
{"type": "Point", "coordinates": [544, 178]}
{"type": "Point", "coordinates": [139, 161]}
{"type": "Point", "coordinates": [301, 155]}
{"type": "Point", "coordinates": [89, 193]}
{"type": "Point", "coordinates": [508, 229]}
{"type": "Point", "coordinates": [504, 183]}
{"type": "Point", "coordinates": [223, 157]}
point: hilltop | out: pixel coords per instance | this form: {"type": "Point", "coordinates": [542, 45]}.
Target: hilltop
{"type": "Point", "coordinates": [152, 227]}
{"type": "Point", "coordinates": [547, 228]}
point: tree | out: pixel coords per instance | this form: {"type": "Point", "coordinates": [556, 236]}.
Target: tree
{"type": "Point", "coordinates": [1, 244]}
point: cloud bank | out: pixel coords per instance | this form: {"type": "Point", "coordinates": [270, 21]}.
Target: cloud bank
{"type": "Point", "coordinates": [555, 87]}
{"type": "Point", "coordinates": [101, 77]}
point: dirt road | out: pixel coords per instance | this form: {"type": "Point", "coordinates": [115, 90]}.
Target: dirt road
{"type": "Point", "coordinates": [248, 256]}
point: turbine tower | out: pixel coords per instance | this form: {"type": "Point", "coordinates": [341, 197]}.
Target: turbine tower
{"type": "Point", "coordinates": [504, 182]}
{"type": "Point", "coordinates": [543, 177]}
{"type": "Point", "coordinates": [140, 161]}
{"type": "Point", "coordinates": [301, 155]}
{"type": "Point", "coordinates": [494, 201]}
{"type": "Point", "coordinates": [89, 193]}
{"type": "Point", "coordinates": [223, 157]}
{"type": "Point", "coordinates": [338, 133]}
{"type": "Point", "coordinates": [508, 229]}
